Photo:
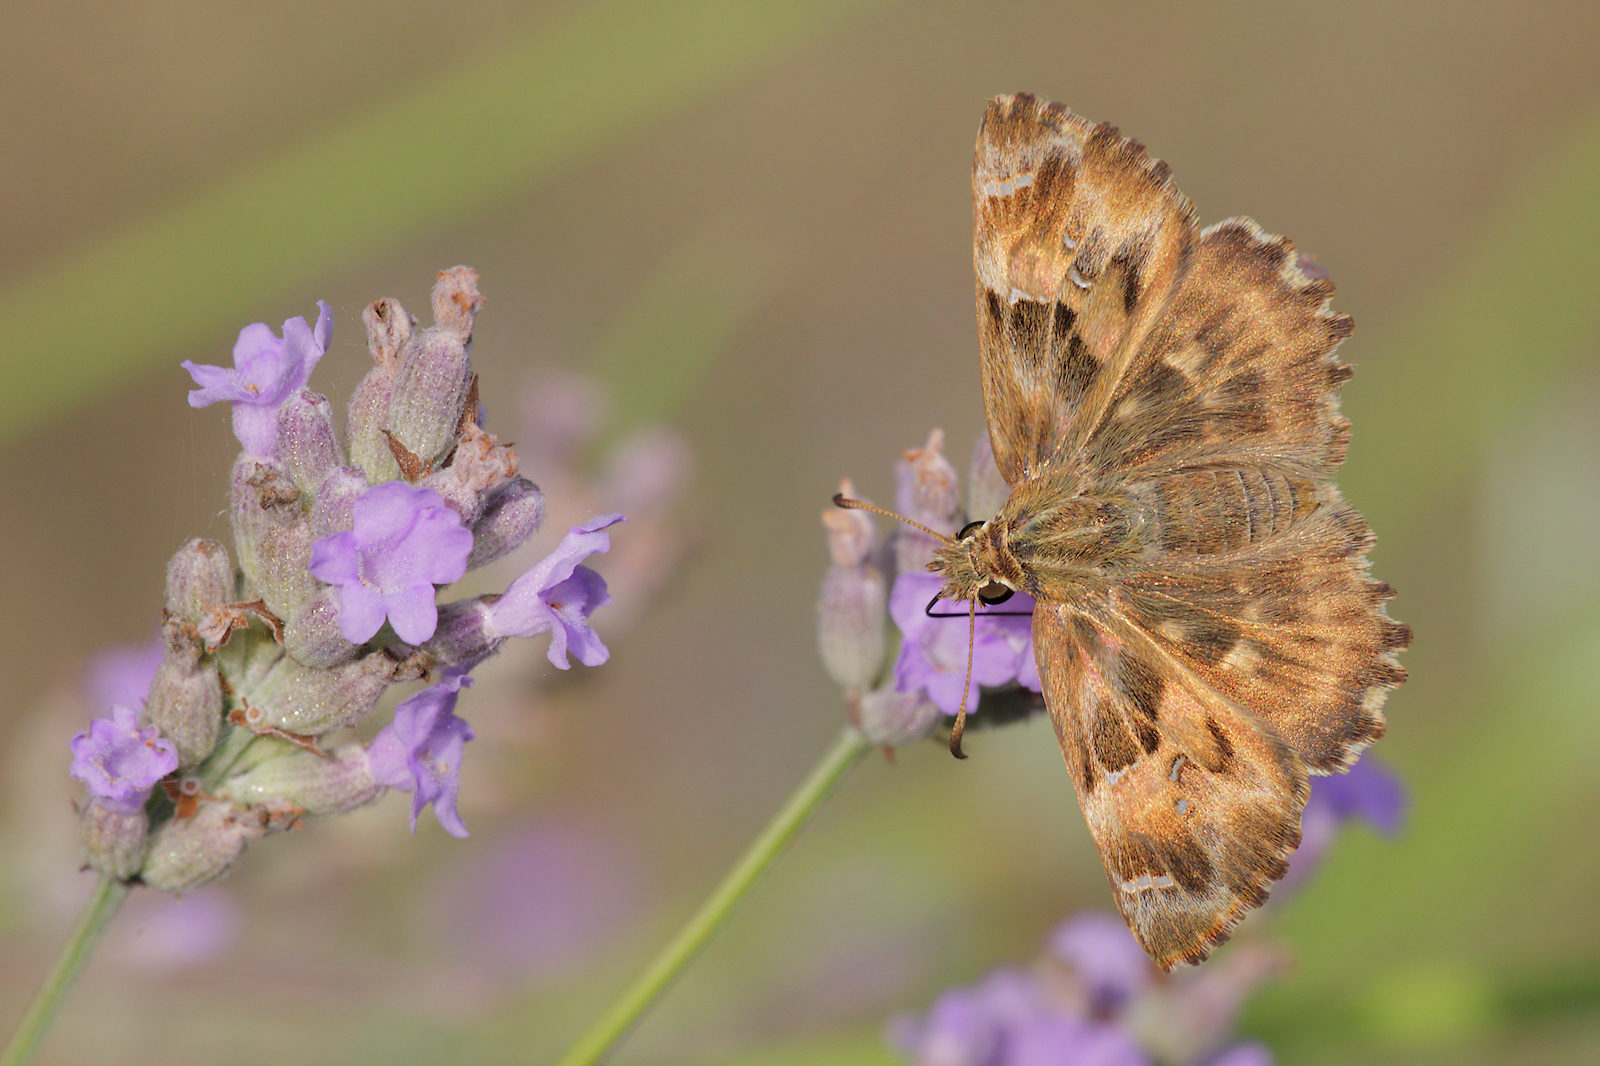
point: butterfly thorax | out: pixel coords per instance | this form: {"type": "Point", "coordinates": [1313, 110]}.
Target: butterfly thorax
{"type": "Point", "coordinates": [1046, 543]}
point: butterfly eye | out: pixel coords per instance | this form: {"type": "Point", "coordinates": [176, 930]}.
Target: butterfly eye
{"type": "Point", "coordinates": [994, 592]}
{"type": "Point", "coordinates": [969, 529]}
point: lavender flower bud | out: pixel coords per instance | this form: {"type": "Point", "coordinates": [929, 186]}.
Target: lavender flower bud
{"type": "Point", "coordinates": [852, 611]}
{"type": "Point", "coordinates": [185, 853]}
{"type": "Point", "coordinates": [272, 535]}
{"type": "Point", "coordinates": [332, 784]}
{"type": "Point", "coordinates": [466, 632]}
{"type": "Point", "coordinates": [987, 490]}
{"type": "Point", "coordinates": [113, 842]}
{"type": "Point", "coordinates": [511, 514]}
{"type": "Point", "coordinates": [389, 328]}
{"type": "Point", "coordinates": [199, 577]}
{"type": "Point", "coordinates": [479, 466]}
{"type": "Point", "coordinates": [925, 490]}
{"type": "Point", "coordinates": [308, 447]}
{"type": "Point", "coordinates": [312, 702]}
{"type": "Point", "coordinates": [312, 636]}
{"type": "Point", "coordinates": [368, 411]}
{"type": "Point", "coordinates": [435, 379]}
{"type": "Point", "coordinates": [185, 701]}
{"type": "Point", "coordinates": [333, 508]}
{"type": "Point", "coordinates": [890, 719]}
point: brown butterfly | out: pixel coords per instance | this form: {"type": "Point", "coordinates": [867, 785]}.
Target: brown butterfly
{"type": "Point", "coordinates": [1160, 399]}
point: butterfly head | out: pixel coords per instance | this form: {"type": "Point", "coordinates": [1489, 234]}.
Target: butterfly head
{"type": "Point", "coordinates": [977, 565]}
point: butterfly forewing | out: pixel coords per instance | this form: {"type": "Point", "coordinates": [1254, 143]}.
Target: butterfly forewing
{"type": "Point", "coordinates": [1079, 239]}
{"type": "Point", "coordinates": [1162, 403]}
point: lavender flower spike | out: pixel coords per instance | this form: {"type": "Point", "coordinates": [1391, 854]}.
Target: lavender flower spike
{"type": "Point", "coordinates": [266, 371]}
{"type": "Point", "coordinates": [420, 751]}
{"type": "Point", "coordinates": [559, 595]}
{"type": "Point", "coordinates": [404, 542]}
{"type": "Point", "coordinates": [119, 762]}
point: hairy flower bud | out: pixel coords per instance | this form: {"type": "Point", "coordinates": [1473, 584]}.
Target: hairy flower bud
{"type": "Point", "coordinates": [987, 490]}
{"type": "Point", "coordinates": [389, 328]}
{"type": "Point", "coordinates": [185, 853]}
{"type": "Point", "coordinates": [199, 577]}
{"type": "Point", "coordinates": [435, 380]}
{"type": "Point", "coordinates": [852, 611]}
{"type": "Point", "coordinates": [308, 447]}
{"type": "Point", "coordinates": [113, 841]}
{"type": "Point", "coordinates": [185, 701]}
{"type": "Point", "coordinates": [511, 514]}
{"type": "Point", "coordinates": [312, 636]}
{"type": "Point", "coordinates": [318, 784]}
{"type": "Point", "coordinates": [925, 490]}
{"type": "Point", "coordinates": [479, 466]}
{"type": "Point", "coordinates": [466, 632]}
{"type": "Point", "coordinates": [333, 508]}
{"type": "Point", "coordinates": [272, 535]}
{"type": "Point", "coordinates": [310, 702]}
{"type": "Point", "coordinates": [890, 719]}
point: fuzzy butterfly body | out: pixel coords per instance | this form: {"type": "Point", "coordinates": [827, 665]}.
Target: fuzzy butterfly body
{"type": "Point", "coordinates": [1161, 400]}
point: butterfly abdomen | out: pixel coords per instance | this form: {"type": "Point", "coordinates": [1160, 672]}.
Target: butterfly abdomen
{"type": "Point", "coordinates": [1211, 510]}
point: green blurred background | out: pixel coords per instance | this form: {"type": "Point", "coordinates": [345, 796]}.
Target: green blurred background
{"type": "Point", "coordinates": [751, 224]}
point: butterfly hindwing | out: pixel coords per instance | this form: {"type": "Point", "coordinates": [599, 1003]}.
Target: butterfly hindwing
{"type": "Point", "coordinates": [1292, 630]}
{"type": "Point", "coordinates": [1193, 803]}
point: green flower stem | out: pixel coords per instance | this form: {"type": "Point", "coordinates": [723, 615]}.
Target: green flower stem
{"type": "Point", "coordinates": [108, 896]}
{"type": "Point", "coordinates": [605, 1034]}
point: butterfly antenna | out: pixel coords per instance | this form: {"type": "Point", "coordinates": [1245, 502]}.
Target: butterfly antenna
{"type": "Point", "coordinates": [961, 716]}
{"type": "Point", "coordinates": [841, 500]}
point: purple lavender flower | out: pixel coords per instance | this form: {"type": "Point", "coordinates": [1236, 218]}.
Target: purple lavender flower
{"type": "Point", "coordinates": [558, 595]}
{"type": "Point", "coordinates": [119, 762]}
{"type": "Point", "coordinates": [420, 751]}
{"type": "Point", "coordinates": [404, 542]}
{"type": "Point", "coordinates": [933, 651]}
{"type": "Point", "coordinates": [266, 371]}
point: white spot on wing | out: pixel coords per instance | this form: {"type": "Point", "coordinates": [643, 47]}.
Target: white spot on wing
{"type": "Point", "coordinates": [1144, 883]}
{"type": "Point", "coordinates": [1000, 189]}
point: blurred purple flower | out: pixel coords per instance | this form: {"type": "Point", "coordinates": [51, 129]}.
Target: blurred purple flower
{"type": "Point", "coordinates": [266, 371]}
{"type": "Point", "coordinates": [420, 751]}
{"type": "Point", "coordinates": [1100, 950]}
{"type": "Point", "coordinates": [121, 675]}
{"type": "Point", "coordinates": [404, 541]}
{"type": "Point", "coordinates": [1093, 1002]}
{"type": "Point", "coordinates": [970, 1025]}
{"type": "Point", "coordinates": [933, 651]}
{"type": "Point", "coordinates": [558, 595]}
{"type": "Point", "coordinates": [158, 933]}
{"type": "Point", "coordinates": [119, 762]}
{"type": "Point", "coordinates": [1243, 1055]}
{"type": "Point", "coordinates": [1368, 791]}
{"type": "Point", "coordinates": [1058, 1039]}
{"type": "Point", "coordinates": [532, 903]}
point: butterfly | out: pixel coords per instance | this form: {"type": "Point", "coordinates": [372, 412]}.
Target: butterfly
{"type": "Point", "coordinates": [1161, 401]}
